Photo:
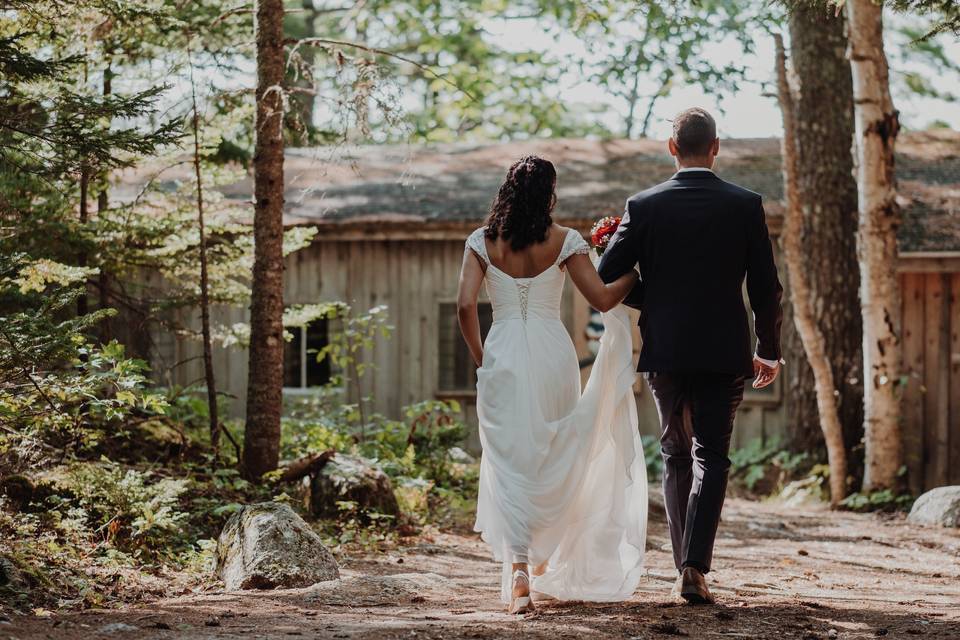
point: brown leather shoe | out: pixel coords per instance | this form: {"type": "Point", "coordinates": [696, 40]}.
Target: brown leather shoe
{"type": "Point", "coordinates": [694, 587]}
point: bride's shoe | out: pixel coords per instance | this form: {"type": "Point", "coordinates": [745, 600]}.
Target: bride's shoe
{"type": "Point", "coordinates": [522, 604]}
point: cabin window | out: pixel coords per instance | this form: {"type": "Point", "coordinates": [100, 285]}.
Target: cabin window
{"type": "Point", "coordinates": [301, 370]}
{"type": "Point", "coordinates": [457, 372]}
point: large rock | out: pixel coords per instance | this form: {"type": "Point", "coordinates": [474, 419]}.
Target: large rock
{"type": "Point", "coordinates": [939, 506]}
{"type": "Point", "coordinates": [354, 479]}
{"type": "Point", "coordinates": [267, 545]}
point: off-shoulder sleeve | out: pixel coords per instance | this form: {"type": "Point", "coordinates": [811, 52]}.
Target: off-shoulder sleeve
{"type": "Point", "coordinates": [573, 244]}
{"type": "Point", "coordinates": [476, 242]}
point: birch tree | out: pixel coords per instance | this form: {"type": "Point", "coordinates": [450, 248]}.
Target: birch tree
{"type": "Point", "coordinates": [876, 127]}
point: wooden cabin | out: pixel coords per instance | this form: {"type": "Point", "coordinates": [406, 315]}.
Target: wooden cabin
{"type": "Point", "coordinates": [392, 222]}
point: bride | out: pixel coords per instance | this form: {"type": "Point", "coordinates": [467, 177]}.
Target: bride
{"type": "Point", "coordinates": [563, 487]}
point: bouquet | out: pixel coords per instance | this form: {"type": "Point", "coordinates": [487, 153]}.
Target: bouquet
{"type": "Point", "coordinates": [602, 232]}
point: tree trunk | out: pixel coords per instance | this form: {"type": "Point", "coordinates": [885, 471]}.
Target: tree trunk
{"type": "Point", "coordinates": [103, 203]}
{"type": "Point", "coordinates": [211, 381]}
{"type": "Point", "coordinates": [83, 304]}
{"type": "Point", "coordinates": [801, 293]}
{"type": "Point", "coordinates": [877, 125]}
{"type": "Point", "coordinates": [261, 448]}
{"type": "Point", "coordinates": [823, 101]}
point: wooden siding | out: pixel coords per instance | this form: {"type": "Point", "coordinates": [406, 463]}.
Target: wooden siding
{"type": "Point", "coordinates": [931, 395]}
{"type": "Point", "coordinates": [413, 276]}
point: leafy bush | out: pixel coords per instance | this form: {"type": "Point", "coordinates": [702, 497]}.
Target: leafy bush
{"type": "Point", "coordinates": [768, 463]}
{"type": "Point", "coordinates": [130, 508]}
{"type": "Point", "coordinates": [885, 500]}
{"type": "Point", "coordinates": [433, 479]}
{"type": "Point", "coordinates": [58, 391]}
{"type": "Point", "coordinates": [652, 457]}
{"type": "Point", "coordinates": [418, 445]}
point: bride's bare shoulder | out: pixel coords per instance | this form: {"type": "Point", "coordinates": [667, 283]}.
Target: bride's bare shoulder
{"type": "Point", "coordinates": [558, 232]}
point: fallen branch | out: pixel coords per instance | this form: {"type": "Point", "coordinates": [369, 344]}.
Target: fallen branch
{"type": "Point", "coordinates": [306, 465]}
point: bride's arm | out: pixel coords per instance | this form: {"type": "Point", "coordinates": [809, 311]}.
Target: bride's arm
{"type": "Point", "coordinates": [471, 277]}
{"type": "Point", "coordinates": [602, 297]}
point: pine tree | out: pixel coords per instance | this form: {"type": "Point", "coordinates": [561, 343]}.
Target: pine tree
{"type": "Point", "coordinates": [261, 449]}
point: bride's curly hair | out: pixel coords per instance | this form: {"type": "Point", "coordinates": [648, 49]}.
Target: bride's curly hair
{"type": "Point", "coordinates": [521, 211]}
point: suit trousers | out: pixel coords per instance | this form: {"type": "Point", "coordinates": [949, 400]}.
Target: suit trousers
{"type": "Point", "coordinates": [696, 421]}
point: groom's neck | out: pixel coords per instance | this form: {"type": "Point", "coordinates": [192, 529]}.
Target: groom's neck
{"type": "Point", "coordinates": [695, 163]}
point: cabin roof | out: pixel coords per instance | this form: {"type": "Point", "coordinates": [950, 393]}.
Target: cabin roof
{"type": "Point", "coordinates": [391, 186]}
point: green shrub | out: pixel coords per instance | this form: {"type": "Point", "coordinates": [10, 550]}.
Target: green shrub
{"type": "Point", "coordinates": [885, 500]}
{"type": "Point", "coordinates": [652, 457]}
{"type": "Point", "coordinates": [767, 463]}
{"type": "Point", "coordinates": [130, 508]}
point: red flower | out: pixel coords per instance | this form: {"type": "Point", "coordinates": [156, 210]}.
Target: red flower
{"type": "Point", "coordinates": [603, 231]}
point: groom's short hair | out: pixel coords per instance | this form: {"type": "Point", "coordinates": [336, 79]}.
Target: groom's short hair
{"type": "Point", "coordinates": [694, 131]}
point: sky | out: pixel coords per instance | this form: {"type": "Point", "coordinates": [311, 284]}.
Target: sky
{"type": "Point", "coordinates": [748, 113]}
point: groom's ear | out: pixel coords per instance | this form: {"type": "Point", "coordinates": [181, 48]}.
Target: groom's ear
{"type": "Point", "coordinates": [715, 150]}
{"type": "Point", "coordinates": [672, 147]}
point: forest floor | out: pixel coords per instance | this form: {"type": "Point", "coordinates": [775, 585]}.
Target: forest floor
{"type": "Point", "coordinates": [780, 572]}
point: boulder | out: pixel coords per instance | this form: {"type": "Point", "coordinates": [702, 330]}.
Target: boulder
{"type": "Point", "coordinates": [267, 545]}
{"type": "Point", "coordinates": [940, 506]}
{"type": "Point", "coordinates": [355, 479]}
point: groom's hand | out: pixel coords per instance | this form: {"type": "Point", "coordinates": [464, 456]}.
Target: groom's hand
{"type": "Point", "coordinates": [763, 373]}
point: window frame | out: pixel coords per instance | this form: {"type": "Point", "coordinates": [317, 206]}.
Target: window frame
{"type": "Point", "coordinates": [454, 393]}
{"type": "Point", "coordinates": [304, 390]}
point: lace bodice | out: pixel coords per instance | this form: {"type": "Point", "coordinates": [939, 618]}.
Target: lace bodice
{"type": "Point", "coordinates": [524, 298]}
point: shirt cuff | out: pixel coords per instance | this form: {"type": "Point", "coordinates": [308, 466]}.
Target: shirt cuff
{"type": "Point", "coordinates": [773, 364]}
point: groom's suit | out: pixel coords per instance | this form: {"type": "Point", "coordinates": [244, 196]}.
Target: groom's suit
{"type": "Point", "coordinates": [695, 238]}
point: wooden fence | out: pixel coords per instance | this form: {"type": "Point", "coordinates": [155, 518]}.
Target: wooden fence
{"type": "Point", "coordinates": [931, 351]}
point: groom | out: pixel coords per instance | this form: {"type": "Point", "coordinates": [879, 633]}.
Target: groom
{"type": "Point", "coordinates": [695, 238]}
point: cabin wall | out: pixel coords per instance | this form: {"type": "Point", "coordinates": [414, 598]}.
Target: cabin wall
{"type": "Point", "coordinates": [412, 277]}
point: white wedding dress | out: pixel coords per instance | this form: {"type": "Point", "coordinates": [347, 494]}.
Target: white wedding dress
{"type": "Point", "coordinates": [562, 476]}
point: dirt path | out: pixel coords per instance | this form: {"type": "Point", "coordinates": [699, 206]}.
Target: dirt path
{"type": "Point", "coordinates": [781, 572]}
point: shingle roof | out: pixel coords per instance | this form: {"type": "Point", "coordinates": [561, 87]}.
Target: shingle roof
{"type": "Point", "coordinates": [928, 183]}
{"type": "Point", "coordinates": [455, 183]}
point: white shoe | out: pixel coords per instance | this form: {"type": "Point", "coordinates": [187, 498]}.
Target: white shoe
{"type": "Point", "coordinates": [522, 604]}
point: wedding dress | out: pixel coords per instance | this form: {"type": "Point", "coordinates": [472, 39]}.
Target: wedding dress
{"type": "Point", "coordinates": [562, 475]}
